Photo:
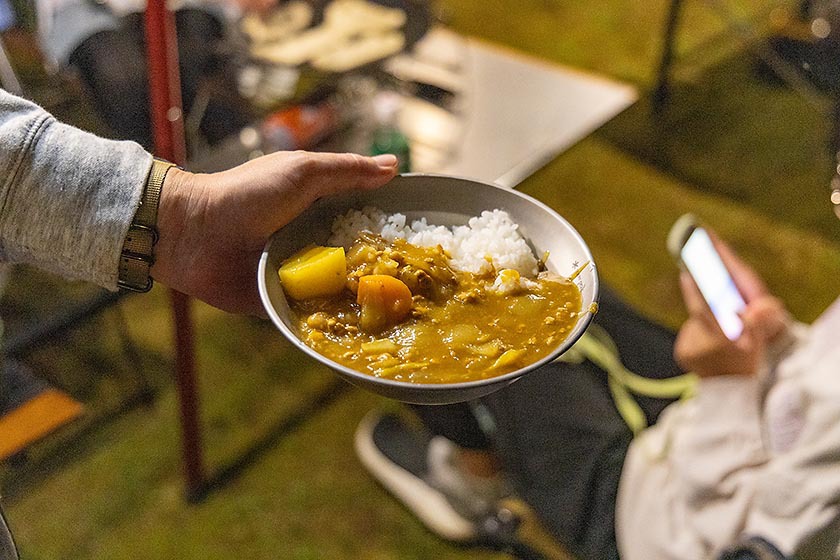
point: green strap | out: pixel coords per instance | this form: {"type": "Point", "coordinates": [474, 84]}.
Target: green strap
{"type": "Point", "coordinates": [599, 348]}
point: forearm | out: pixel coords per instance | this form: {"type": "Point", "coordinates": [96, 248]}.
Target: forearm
{"type": "Point", "coordinates": [735, 464]}
{"type": "Point", "coordinates": [694, 473]}
{"type": "Point", "coordinates": [798, 497]}
{"type": "Point", "coordinates": [67, 196]}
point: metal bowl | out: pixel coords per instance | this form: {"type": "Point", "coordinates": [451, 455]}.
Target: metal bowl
{"type": "Point", "coordinates": [442, 200]}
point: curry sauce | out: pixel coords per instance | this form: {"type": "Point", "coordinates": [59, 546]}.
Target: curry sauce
{"type": "Point", "coordinates": [458, 327]}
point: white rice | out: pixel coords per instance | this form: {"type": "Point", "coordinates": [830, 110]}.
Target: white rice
{"type": "Point", "coordinates": [489, 241]}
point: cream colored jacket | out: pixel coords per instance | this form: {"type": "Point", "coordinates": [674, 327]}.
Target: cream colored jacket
{"type": "Point", "coordinates": [748, 456]}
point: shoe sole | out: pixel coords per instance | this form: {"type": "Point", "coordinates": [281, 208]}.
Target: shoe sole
{"type": "Point", "coordinates": [430, 506]}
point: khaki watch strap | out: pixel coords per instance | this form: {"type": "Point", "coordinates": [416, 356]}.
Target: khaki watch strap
{"type": "Point", "coordinates": [137, 255]}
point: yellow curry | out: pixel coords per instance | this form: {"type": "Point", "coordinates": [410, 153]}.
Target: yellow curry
{"type": "Point", "coordinates": [401, 312]}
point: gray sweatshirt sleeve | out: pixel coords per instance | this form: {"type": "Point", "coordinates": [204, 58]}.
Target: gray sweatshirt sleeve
{"type": "Point", "coordinates": [67, 196]}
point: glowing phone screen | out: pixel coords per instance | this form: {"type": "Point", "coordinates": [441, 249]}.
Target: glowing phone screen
{"type": "Point", "coordinates": [703, 262]}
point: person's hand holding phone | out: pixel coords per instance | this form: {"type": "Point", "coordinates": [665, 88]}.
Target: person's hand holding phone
{"type": "Point", "coordinates": [701, 344]}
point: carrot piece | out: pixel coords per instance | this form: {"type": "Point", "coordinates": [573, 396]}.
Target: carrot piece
{"type": "Point", "coordinates": [384, 301]}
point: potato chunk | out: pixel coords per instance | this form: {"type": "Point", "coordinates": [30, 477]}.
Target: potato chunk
{"type": "Point", "coordinates": [314, 272]}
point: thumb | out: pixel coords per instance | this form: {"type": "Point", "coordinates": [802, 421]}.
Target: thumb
{"type": "Point", "coordinates": [340, 172]}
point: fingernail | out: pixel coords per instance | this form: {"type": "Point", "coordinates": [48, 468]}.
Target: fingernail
{"type": "Point", "coordinates": [386, 160]}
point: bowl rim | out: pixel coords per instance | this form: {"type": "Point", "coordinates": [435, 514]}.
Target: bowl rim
{"type": "Point", "coordinates": [365, 378]}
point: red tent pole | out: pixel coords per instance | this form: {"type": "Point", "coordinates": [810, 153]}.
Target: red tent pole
{"type": "Point", "coordinates": [168, 130]}
{"type": "Point", "coordinates": [164, 83]}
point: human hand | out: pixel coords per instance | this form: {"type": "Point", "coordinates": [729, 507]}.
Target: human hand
{"type": "Point", "coordinates": [213, 227]}
{"type": "Point", "coordinates": [702, 347]}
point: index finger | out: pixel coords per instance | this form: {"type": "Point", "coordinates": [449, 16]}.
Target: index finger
{"type": "Point", "coordinates": [748, 282]}
{"type": "Point", "coordinates": [694, 301]}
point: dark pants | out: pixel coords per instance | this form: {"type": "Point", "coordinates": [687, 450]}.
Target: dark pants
{"type": "Point", "coordinates": [113, 66]}
{"type": "Point", "coordinates": [559, 435]}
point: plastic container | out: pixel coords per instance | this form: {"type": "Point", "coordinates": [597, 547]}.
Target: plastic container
{"type": "Point", "coordinates": [387, 136]}
{"type": "Point", "coordinates": [300, 127]}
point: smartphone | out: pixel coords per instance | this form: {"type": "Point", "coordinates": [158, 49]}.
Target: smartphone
{"type": "Point", "coordinates": [691, 245]}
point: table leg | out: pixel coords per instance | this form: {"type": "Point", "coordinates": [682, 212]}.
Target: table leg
{"type": "Point", "coordinates": [662, 91]}
{"type": "Point", "coordinates": [168, 129]}
{"type": "Point", "coordinates": [188, 400]}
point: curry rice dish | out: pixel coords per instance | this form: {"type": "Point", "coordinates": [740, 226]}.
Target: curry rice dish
{"type": "Point", "coordinates": [428, 304]}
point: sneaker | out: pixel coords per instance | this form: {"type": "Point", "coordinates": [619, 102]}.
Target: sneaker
{"type": "Point", "coordinates": [472, 496]}
{"type": "Point", "coordinates": [419, 471]}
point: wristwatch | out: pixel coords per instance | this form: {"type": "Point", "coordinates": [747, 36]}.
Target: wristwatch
{"type": "Point", "coordinates": [137, 255]}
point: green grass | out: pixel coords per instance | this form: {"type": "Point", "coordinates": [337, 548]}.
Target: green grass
{"type": "Point", "coordinates": [747, 157]}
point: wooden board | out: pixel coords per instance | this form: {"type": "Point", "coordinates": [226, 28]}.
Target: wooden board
{"type": "Point", "coordinates": [35, 419]}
